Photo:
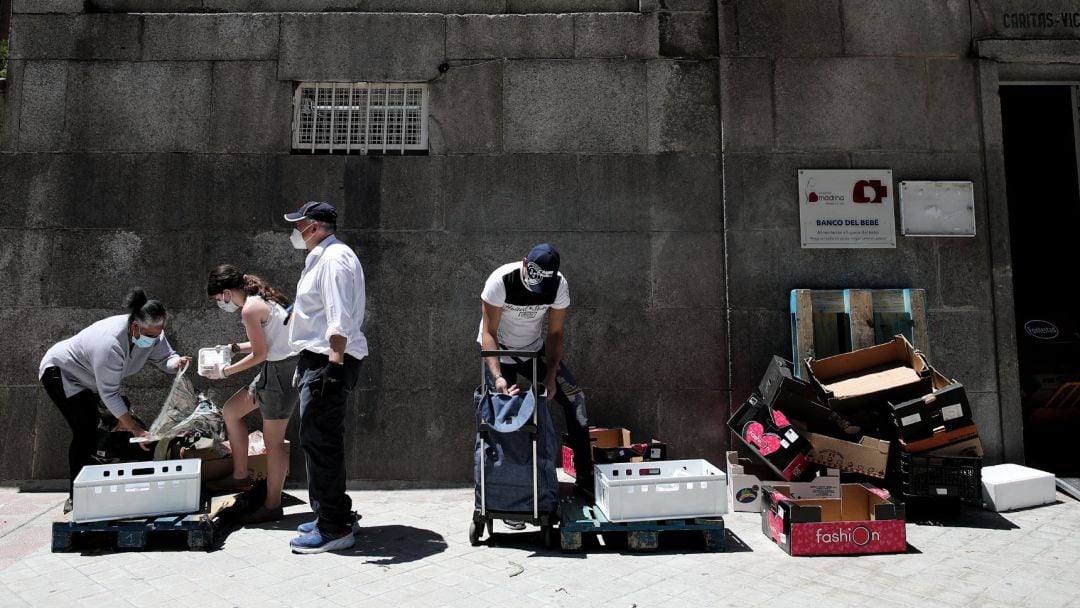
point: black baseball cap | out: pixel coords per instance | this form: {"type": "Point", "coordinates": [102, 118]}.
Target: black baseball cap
{"type": "Point", "coordinates": [542, 268]}
{"type": "Point", "coordinates": [314, 210]}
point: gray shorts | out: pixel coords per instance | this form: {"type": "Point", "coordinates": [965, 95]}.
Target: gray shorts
{"type": "Point", "coordinates": [273, 389]}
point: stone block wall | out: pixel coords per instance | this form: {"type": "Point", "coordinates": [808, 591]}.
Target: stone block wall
{"type": "Point", "coordinates": [142, 143]}
{"type": "Point", "coordinates": [881, 84]}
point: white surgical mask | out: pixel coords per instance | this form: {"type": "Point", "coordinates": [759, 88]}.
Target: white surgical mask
{"type": "Point", "coordinates": [227, 306]}
{"type": "Point", "coordinates": [297, 238]}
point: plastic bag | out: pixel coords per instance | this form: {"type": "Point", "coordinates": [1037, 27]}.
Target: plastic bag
{"type": "Point", "coordinates": [187, 414]}
{"type": "Point", "coordinates": [179, 404]}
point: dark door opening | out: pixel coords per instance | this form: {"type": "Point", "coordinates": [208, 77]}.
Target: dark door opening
{"type": "Point", "coordinates": [1039, 124]}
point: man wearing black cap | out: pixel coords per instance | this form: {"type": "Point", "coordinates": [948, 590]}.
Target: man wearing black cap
{"type": "Point", "coordinates": [325, 330]}
{"type": "Point", "coordinates": [516, 298]}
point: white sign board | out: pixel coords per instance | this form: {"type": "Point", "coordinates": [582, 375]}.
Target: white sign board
{"type": "Point", "coordinates": [846, 208]}
{"type": "Point", "coordinates": [937, 209]}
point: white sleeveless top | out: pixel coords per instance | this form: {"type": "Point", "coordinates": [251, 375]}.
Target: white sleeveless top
{"type": "Point", "coordinates": [277, 332]}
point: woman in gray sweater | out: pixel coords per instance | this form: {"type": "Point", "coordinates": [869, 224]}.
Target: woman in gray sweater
{"type": "Point", "coordinates": [87, 368]}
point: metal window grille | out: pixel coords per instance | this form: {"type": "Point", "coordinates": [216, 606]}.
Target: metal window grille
{"type": "Point", "coordinates": [360, 117]}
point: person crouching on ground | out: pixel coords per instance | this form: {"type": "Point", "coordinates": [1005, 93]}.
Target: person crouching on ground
{"type": "Point", "coordinates": [86, 369]}
{"type": "Point", "coordinates": [263, 313]}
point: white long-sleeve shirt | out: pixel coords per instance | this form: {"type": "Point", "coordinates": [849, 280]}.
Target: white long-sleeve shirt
{"type": "Point", "coordinates": [99, 357]}
{"type": "Point", "coordinates": [330, 300]}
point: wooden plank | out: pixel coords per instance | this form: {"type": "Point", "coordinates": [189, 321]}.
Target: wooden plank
{"type": "Point", "coordinates": [802, 329]}
{"type": "Point", "coordinates": [915, 306]}
{"type": "Point", "coordinates": [859, 307]}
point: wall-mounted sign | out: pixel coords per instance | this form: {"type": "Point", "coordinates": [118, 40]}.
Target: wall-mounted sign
{"type": "Point", "coordinates": [937, 209]}
{"type": "Point", "coordinates": [846, 208]}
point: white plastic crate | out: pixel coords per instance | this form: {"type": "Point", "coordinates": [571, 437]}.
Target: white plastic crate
{"type": "Point", "coordinates": [136, 489]}
{"type": "Point", "coordinates": [666, 489]}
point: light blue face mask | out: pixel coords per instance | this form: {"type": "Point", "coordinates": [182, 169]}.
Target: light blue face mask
{"type": "Point", "coordinates": [143, 341]}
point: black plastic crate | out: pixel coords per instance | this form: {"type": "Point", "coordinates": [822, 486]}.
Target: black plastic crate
{"type": "Point", "coordinates": [930, 476]}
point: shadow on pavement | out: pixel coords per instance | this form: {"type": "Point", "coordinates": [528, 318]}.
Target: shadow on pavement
{"type": "Point", "coordinates": [965, 517]}
{"type": "Point", "coordinates": [395, 544]}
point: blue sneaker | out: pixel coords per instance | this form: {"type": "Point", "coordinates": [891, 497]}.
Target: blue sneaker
{"type": "Point", "coordinates": [316, 542]}
{"type": "Point", "coordinates": [309, 527]}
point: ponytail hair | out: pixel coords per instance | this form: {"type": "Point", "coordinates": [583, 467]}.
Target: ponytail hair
{"type": "Point", "coordinates": [227, 276]}
{"type": "Point", "coordinates": [148, 313]}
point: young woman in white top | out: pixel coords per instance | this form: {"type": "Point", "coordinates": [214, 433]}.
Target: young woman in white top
{"type": "Point", "coordinates": [264, 315]}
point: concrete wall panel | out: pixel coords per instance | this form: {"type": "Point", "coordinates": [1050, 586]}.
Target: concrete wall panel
{"type": "Point", "coordinates": [906, 27]}
{"type": "Point", "coordinates": [683, 114]}
{"type": "Point", "coordinates": [851, 104]}
{"type": "Point", "coordinates": [787, 28]}
{"type": "Point", "coordinates": [616, 35]}
{"type": "Point", "coordinates": [688, 35]}
{"type": "Point", "coordinates": [398, 47]}
{"type": "Point", "coordinates": [147, 106]}
{"type": "Point", "coordinates": [210, 36]}
{"type": "Point", "coordinates": [676, 270]}
{"type": "Point", "coordinates": [466, 110]}
{"type": "Point", "coordinates": [578, 106]}
{"type": "Point", "coordinates": [252, 111]}
{"type": "Point", "coordinates": [763, 189]}
{"type": "Point", "coordinates": [110, 37]}
{"type": "Point", "coordinates": [41, 124]}
{"type": "Point", "coordinates": [746, 103]}
{"type": "Point", "coordinates": [953, 105]}
{"type": "Point", "coordinates": [514, 36]}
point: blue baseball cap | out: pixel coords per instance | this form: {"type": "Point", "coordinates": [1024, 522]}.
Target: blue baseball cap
{"type": "Point", "coordinates": [542, 268]}
{"type": "Point", "coordinates": [314, 210]}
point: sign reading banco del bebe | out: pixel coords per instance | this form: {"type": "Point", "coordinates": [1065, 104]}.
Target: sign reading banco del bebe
{"type": "Point", "coordinates": [846, 208]}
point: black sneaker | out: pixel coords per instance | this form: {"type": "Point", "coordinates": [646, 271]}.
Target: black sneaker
{"type": "Point", "coordinates": [514, 525]}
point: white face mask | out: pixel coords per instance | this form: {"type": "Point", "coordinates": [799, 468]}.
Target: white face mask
{"type": "Point", "coordinates": [227, 306]}
{"type": "Point", "coordinates": [297, 238]}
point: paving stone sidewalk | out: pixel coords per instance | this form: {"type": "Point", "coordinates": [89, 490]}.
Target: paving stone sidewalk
{"type": "Point", "coordinates": [414, 551]}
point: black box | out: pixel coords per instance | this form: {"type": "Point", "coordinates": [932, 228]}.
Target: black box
{"type": "Point", "coordinates": [769, 434]}
{"type": "Point", "coordinates": [800, 400]}
{"type": "Point", "coordinates": [946, 408]}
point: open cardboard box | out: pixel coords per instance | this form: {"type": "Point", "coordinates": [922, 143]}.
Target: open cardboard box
{"type": "Point", "coordinates": [217, 467]}
{"type": "Point", "coordinates": [864, 519]}
{"type": "Point", "coordinates": [946, 408]}
{"type": "Point", "coordinates": [800, 401]}
{"type": "Point", "coordinates": [745, 480]}
{"type": "Point", "coordinates": [871, 376]}
{"type": "Point", "coordinates": [614, 445]}
{"type": "Point", "coordinates": [940, 438]}
{"type": "Point", "coordinates": [869, 456]}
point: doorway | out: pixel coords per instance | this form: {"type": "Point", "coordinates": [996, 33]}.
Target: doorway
{"type": "Point", "coordinates": [1040, 134]}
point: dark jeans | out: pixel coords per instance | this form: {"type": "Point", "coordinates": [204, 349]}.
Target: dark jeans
{"type": "Point", "coordinates": [81, 413]}
{"type": "Point", "coordinates": [322, 436]}
{"type": "Point", "coordinates": [569, 395]}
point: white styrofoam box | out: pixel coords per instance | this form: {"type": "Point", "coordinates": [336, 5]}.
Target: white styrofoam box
{"type": "Point", "coordinates": [666, 489]}
{"type": "Point", "coordinates": [1011, 486]}
{"type": "Point", "coordinates": [136, 489]}
{"type": "Point", "coordinates": [210, 358]}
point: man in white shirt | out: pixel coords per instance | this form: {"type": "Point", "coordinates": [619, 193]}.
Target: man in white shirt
{"type": "Point", "coordinates": [326, 330]}
{"type": "Point", "coordinates": [516, 298]}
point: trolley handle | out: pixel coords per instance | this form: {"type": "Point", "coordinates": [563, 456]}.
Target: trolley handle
{"type": "Point", "coordinates": [523, 354]}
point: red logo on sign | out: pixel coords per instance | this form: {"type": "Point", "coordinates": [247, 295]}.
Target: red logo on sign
{"type": "Point", "coordinates": [858, 195]}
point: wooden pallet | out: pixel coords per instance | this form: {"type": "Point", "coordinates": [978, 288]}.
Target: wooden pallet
{"type": "Point", "coordinates": [195, 532]}
{"type": "Point", "coordinates": [833, 321]}
{"type": "Point", "coordinates": [580, 519]}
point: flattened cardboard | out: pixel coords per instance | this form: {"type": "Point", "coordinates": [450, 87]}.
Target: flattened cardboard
{"type": "Point", "coordinates": [870, 456]}
{"type": "Point", "coordinates": [745, 480]}
{"type": "Point", "coordinates": [863, 520]}
{"type": "Point", "coordinates": [894, 371]}
{"type": "Point", "coordinates": [216, 467]}
{"type": "Point", "coordinates": [940, 439]}
{"type": "Point", "coordinates": [771, 436]}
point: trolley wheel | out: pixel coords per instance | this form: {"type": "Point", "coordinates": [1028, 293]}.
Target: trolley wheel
{"type": "Point", "coordinates": [474, 533]}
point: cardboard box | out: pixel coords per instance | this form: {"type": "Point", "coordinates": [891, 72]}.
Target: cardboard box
{"type": "Point", "coordinates": [971, 448]}
{"type": "Point", "coordinates": [614, 445]}
{"type": "Point", "coordinates": [217, 467]}
{"type": "Point", "coordinates": [800, 401]}
{"type": "Point", "coordinates": [863, 520]}
{"type": "Point", "coordinates": [871, 376]}
{"type": "Point", "coordinates": [771, 436]}
{"type": "Point", "coordinates": [1011, 486]}
{"type": "Point", "coordinates": [745, 480]}
{"type": "Point", "coordinates": [940, 439]}
{"type": "Point", "coordinates": [944, 409]}
{"type": "Point", "coordinates": [869, 456]}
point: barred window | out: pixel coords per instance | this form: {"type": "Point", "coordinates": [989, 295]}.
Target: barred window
{"type": "Point", "coordinates": [360, 117]}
